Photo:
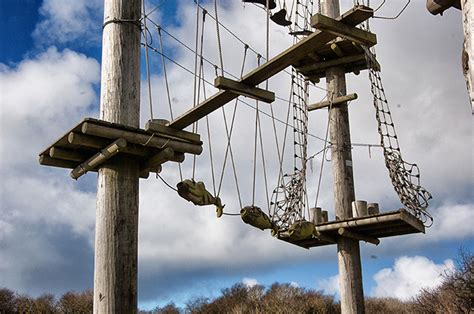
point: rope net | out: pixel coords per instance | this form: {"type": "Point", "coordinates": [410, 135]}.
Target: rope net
{"type": "Point", "coordinates": [405, 176]}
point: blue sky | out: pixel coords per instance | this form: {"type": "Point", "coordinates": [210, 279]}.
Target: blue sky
{"type": "Point", "coordinates": [50, 80]}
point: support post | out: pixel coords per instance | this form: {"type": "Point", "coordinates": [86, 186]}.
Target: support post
{"type": "Point", "coordinates": [116, 237]}
{"type": "Point", "coordinates": [348, 251]}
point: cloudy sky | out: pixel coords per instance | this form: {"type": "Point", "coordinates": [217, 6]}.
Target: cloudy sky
{"type": "Point", "coordinates": [50, 79]}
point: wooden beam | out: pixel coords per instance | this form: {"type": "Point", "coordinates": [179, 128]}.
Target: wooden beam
{"type": "Point", "coordinates": [342, 29]}
{"type": "Point", "coordinates": [337, 50]}
{"type": "Point", "coordinates": [158, 127]}
{"type": "Point", "coordinates": [86, 140]}
{"type": "Point", "coordinates": [65, 154]}
{"type": "Point", "coordinates": [54, 162]}
{"type": "Point", "coordinates": [288, 57]}
{"type": "Point", "coordinates": [343, 232]}
{"type": "Point", "coordinates": [324, 237]}
{"type": "Point", "coordinates": [335, 101]}
{"type": "Point", "coordinates": [137, 138]}
{"type": "Point", "coordinates": [244, 89]}
{"type": "Point", "coordinates": [154, 163]}
{"type": "Point", "coordinates": [99, 158]}
{"type": "Point", "coordinates": [331, 63]}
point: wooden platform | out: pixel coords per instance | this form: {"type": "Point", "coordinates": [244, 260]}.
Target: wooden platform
{"type": "Point", "coordinates": [341, 53]}
{"type": "Point", "coordinates": [372, 227]}
{"type": "Point", "coordinates": [93, 142]}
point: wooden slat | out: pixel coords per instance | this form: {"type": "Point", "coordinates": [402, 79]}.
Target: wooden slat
{"type": "Point", "coordinates": [243, 89]}
{"type": "Point", "coordinates": [86, 140]}
{"type": "Point", "coordinates": [335, 101]}
{"type": "Point", "coordinates": [137, 138]}
{"type": "Point", "coordinates": [288, 57]}
{"type": "Point", "coordinates": [54, 162]}
{"type": "Point", "coordinates": [342, 29]}
{"type": "Point", "coordinates": [65, 154]}
{"type": "Point", "coordinates": [155, 126]}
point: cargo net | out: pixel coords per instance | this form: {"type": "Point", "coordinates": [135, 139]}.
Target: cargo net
{"type": "Point", "coordinates": [405, 176]}
{"type": "Point", "coordinates": [289, 198]}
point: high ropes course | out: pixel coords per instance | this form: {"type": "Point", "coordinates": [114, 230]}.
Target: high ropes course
{"type": "Point", "coordinates": [242, 135]}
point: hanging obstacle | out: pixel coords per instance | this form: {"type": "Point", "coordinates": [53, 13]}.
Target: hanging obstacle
{"type": "Point", "coordinates": [280, 18]}
{"type": "Point", "coordinates": [255, 217]}
{"type": "Point", "coordinates": [93, 143]}
{"type": "Point", "coordinates": [196, 193]}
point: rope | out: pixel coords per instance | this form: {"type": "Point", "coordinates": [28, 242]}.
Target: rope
{"type": "Point", "coordinates": [167, 89]}
{"type": "Point", "coordinates": [150, 101]}
{"type": "Point", "coordinates": [219, 38]}
{"type": "Point", "coordinates": [167, 184]}
{"type": "Point", "coordinates": [405, 176]}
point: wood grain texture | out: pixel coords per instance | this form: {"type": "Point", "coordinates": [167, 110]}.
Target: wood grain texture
{"type": "Point", "coordinates": [348, 251]}
{"type": "Point", "coordinates": [116, 241]}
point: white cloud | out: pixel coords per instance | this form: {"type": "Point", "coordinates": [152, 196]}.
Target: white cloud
{"type": "Point", "coordinates": [408, 275]}
{"type": "Point", "coordinates": [41, 99]}
{"type": "Point", "coordinates": [250, 282]}
{"type": "Point", "coordinates": [66, 21]}
{"type": "Point", "coordinates": [329, 285]}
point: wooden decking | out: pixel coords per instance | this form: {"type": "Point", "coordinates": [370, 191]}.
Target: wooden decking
{"type": "Point", "coordinates": [369, 228]}
{"type": "Point", "coordinates": [93, 142]}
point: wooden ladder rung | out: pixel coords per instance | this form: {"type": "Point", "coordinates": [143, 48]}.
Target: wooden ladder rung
{"type": "Point", "coordinates": [244, 89]}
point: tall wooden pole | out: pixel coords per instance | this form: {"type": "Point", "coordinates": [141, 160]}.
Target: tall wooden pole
{"type": "Point", "coordinates": [468, 53]}
{"type": "Point", "coordinates": [116, 239]}
{"type": "Point", "coordinates": [348, 251]}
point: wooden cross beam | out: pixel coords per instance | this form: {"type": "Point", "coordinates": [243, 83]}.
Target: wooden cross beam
{"type": "Point", "coordinates": [289, 57]}
{"type": "Point", "coordinates": [244, 89]}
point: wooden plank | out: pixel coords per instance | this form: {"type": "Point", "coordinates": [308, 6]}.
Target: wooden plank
{"type": "Point", "coordinates": [354, 235]}
{"type": "Point", "coordinates": [142, 139]}
{"type": "Point", "coordinates": [99, 158]}
{"type": "Point", "coordinates": [342, 29]}
{"type": "Point", "coordinates": [288, 57]}
{"type": "Point", "coordinates": [157, 127]}
{"type": "Point", "coordinates": [244, 89]}
{"type": "Point", "coordinates": [321, 66]}
{"type": "Point", "coordinates": [65, 154]}
{"type": "Point", "coordinates": [334, 102]}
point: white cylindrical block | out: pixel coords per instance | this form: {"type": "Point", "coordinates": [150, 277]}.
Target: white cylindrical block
{"type": "Point", "coordinates": [373, 208]}
{"type": "Point", "coordinates": [359, 209]}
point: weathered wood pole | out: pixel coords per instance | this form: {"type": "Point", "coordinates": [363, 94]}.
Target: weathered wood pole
{"type": "Point", "coordinates": [468, 51]}
{"type": "Point", "coordinates": [116, 237]}
{"type": "Point", "coordinates": [348, 251]}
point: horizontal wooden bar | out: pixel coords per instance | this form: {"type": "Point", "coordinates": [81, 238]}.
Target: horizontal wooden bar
{"type": "Point", "coordinates": [288, 57]}
{"type": "Point", "coordinates": [65, 154]}
{"type": "Point", "coordinates": [334, 102]}
{"type": "Point", "coordinates": [343, 232]}
{"type": "Point", "coordinates": [138, 138]}
{"type": "Point", "coordinates": [99, 158]}
{"type": "Point", "coordinates": [54, 162]}
{"type": "Point", "coordinates": [157, 126]}
{"type": "Point", "coordinates": [344, 30]}
{"type": "Point", "coordinates": [79, 139]}
{"type": "Point", "coordinates": [243, 89]}
{"type": "Point", "coordinates": [154, 163]}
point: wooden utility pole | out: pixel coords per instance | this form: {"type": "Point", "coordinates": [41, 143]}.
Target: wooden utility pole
{"type": "Point", "coordinates": [468, 51]}
{"type": "Point", "coordinates": [348, 251]}
{"type": "Point", "coordinates": [116, 238]}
